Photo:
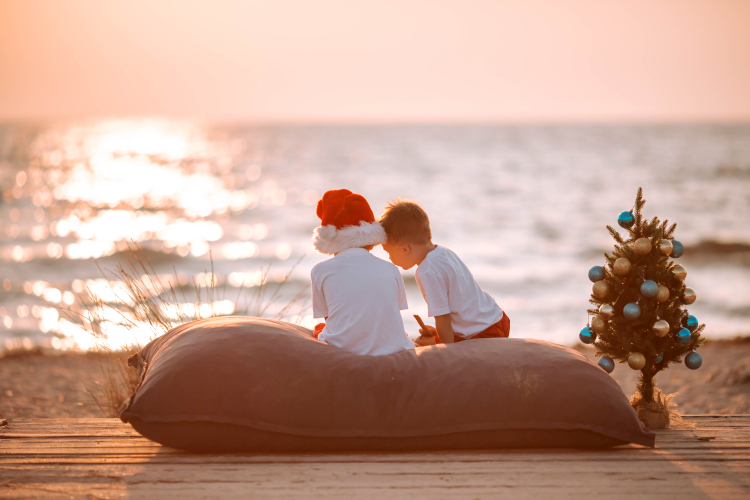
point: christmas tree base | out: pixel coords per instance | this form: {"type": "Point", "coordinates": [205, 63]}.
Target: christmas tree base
{"type": "Point", "coordinates": [659, 413]}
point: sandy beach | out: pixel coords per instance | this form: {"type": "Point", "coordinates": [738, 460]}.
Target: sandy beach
{"type": "Point", "coordinates": [37, 385]}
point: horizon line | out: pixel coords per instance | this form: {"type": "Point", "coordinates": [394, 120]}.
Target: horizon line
{"type": "Point", "coordinates": [365, 122]}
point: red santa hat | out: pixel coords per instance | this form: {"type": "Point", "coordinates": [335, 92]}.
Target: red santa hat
{"type": "Point", "coordinates": [347, 221]}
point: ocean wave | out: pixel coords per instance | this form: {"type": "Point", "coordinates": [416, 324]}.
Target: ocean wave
{"type": "Point", "coordinates": [731, 170]}
{"type": "Point", "coordinates": [711, 248]}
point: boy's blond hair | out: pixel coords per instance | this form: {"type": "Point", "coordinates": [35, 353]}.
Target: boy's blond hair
{"type": "Point", "coordinates": [406, 222]}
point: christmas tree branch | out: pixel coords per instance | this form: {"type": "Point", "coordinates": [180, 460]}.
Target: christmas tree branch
{"type": "Point", "coordinates": [616, 235]}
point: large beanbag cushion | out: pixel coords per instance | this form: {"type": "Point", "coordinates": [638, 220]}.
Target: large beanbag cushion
{"type": "Point", "coordinates": [257, 385]}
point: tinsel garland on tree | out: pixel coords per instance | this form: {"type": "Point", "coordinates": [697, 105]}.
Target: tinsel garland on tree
{"type": "Point", "coordinates": [640, 318]}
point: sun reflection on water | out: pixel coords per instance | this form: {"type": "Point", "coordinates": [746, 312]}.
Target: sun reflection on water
{"type": "Point", "coordinates": [88, 191]}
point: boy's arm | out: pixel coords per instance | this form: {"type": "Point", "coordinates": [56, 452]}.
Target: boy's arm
{"type": "Point", "coordinates": [444, 328]}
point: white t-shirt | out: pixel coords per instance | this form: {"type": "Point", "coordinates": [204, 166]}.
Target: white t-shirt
{"type": "Point", "coordinates": [448, 287]}
{"type": "Point", "coordinates": [362, 296]}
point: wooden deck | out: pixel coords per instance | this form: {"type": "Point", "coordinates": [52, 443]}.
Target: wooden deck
{"type": "Point", "coordinates": [103, 458]}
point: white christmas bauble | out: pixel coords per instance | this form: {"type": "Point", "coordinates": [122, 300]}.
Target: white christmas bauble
{"type": "Point", "coordinates": [679, 272]}
{"type": "Point", "coordinates": [689, 296]}
{"type": "Point", "coordinates": [665, 246]}
{"type": "Point", "coordinates": [606, 311]}
{"type": "Point", "coordinates": [660, 328]}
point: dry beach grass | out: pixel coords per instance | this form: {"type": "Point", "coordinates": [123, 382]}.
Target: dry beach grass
{"type": "Point", "coordinates": [99, 381]}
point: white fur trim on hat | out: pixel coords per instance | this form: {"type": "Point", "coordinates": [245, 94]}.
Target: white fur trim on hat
{"type": "Point", "coordinates": [330, 240]}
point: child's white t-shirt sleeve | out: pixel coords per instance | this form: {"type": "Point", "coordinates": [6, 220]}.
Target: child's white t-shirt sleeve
{"type": "Point", "coordinates": [402, 303]}
{"type": "Point", "coordinates": [320, 307]}
{"type": "Point", "coordinates": [435, 293]}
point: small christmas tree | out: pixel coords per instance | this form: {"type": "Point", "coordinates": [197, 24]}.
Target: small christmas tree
{"type": "Point", "coordinates": [640, 316]}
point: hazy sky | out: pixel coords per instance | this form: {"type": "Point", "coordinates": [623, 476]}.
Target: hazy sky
{"type": "Point", "coordinates": [377, 60]}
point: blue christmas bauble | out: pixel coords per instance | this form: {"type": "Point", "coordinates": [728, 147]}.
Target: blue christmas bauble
{"type": "Point", "coordinates": [631, 311]}
{"type": "Point", "coordinates": [677, 249]}
{"type": "Point", "coordinates": [649, 288]}
{"type": "Point", "coordinates": [607, 364]}
{"type": "Point", "coordinates": [596, 273]}
{"type": "Point", "coordinates": [587, 335]}
{"type": "Point", "coordinates": [691, 323]}
{"type": "Point", "coordinates": [693, 360]}
{"type": "Point", "coordinates": [626, 219]}
{"type": "Point", "coordinates": [682, 336]}
{"type": "Point", "coordinates": [659, 358]}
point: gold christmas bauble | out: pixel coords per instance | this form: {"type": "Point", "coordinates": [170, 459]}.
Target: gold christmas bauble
{"type": "Point", "coordinates": [598, 324]}
{"type": "Point", "coordinates": [660, 328]}
{"type": "Point", "coordinates": [663, 294]}
{"type": "Point", "coordinates": [636, 360]}
{"type": "Point", "coordinates": [622, 266]}
{"type": "Point", "coordinates": [665, 246]}
{"type": "Point", "coordinates": [600, 289]}
{"type": "Point", "coordinates": [679, 272]}
{"type": "Point", "coordinates": [689, 296]}
{"type": "Point", "coordinates": [642, 246]}
{"type": "Point", "coordinates": [606, 311]}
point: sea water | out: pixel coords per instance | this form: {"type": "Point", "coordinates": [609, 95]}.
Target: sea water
{"type": "Point", "coordinates": [526, 207]}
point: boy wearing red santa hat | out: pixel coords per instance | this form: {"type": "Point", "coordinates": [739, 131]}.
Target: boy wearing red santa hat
{"type": "Point", "coordinates": [461, 309]}
{"type": "Point", "coordinates": [359, 295]}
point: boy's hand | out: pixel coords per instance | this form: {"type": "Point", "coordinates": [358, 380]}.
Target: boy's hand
{"type": "Point", "coordinates": [428, 331]}
{"type": "Point", "coordinates": [424, 340]}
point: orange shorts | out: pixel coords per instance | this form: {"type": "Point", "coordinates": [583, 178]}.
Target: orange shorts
{"type": "Point", "coordinates": [500, 330]}
{"type": "Point", "coordinates": [318, 329]}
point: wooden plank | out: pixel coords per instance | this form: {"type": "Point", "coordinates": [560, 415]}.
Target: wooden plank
{"type": "Point", "coordinates": [116, 421]}
{"type": "Point", "coordinates": [623, 454]}
{"type": "Point", "coordinates": [689, 449]}
{"type": "Point", "coordinates": [743, 420]}
{"type": "Point", "coordinates": [66, 420]}
{"type": "Point", "coordinates": [513, 480]}
{"type": "Point", "coordinates": [114, 428]}
{"type": "Point", "coordinates": [74, 447]}
{"type": "Point", "coordinates": [685, 456]}
{"type": "Point", "coordinates": [663, 437]}
{"type": "Point", "coordinates": [728, 440]}
{"type": "Point", "coordinates": [98, 443]}
{"type": "Point", "coordinates": [718, 417]}
{"type": "Point", "coordinates": [700, 440]}
{"type": "Point", "coordinates": [49, 428]}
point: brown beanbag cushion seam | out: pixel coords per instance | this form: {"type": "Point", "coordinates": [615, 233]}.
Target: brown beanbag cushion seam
{"type": "Point", "coordinates": [278, 429]}
{"type": "Point", "coordinates": [210, 437]}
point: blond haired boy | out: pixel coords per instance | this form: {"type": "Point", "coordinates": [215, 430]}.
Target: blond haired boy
{"type": "Point", "coordinates": [462, 310]}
